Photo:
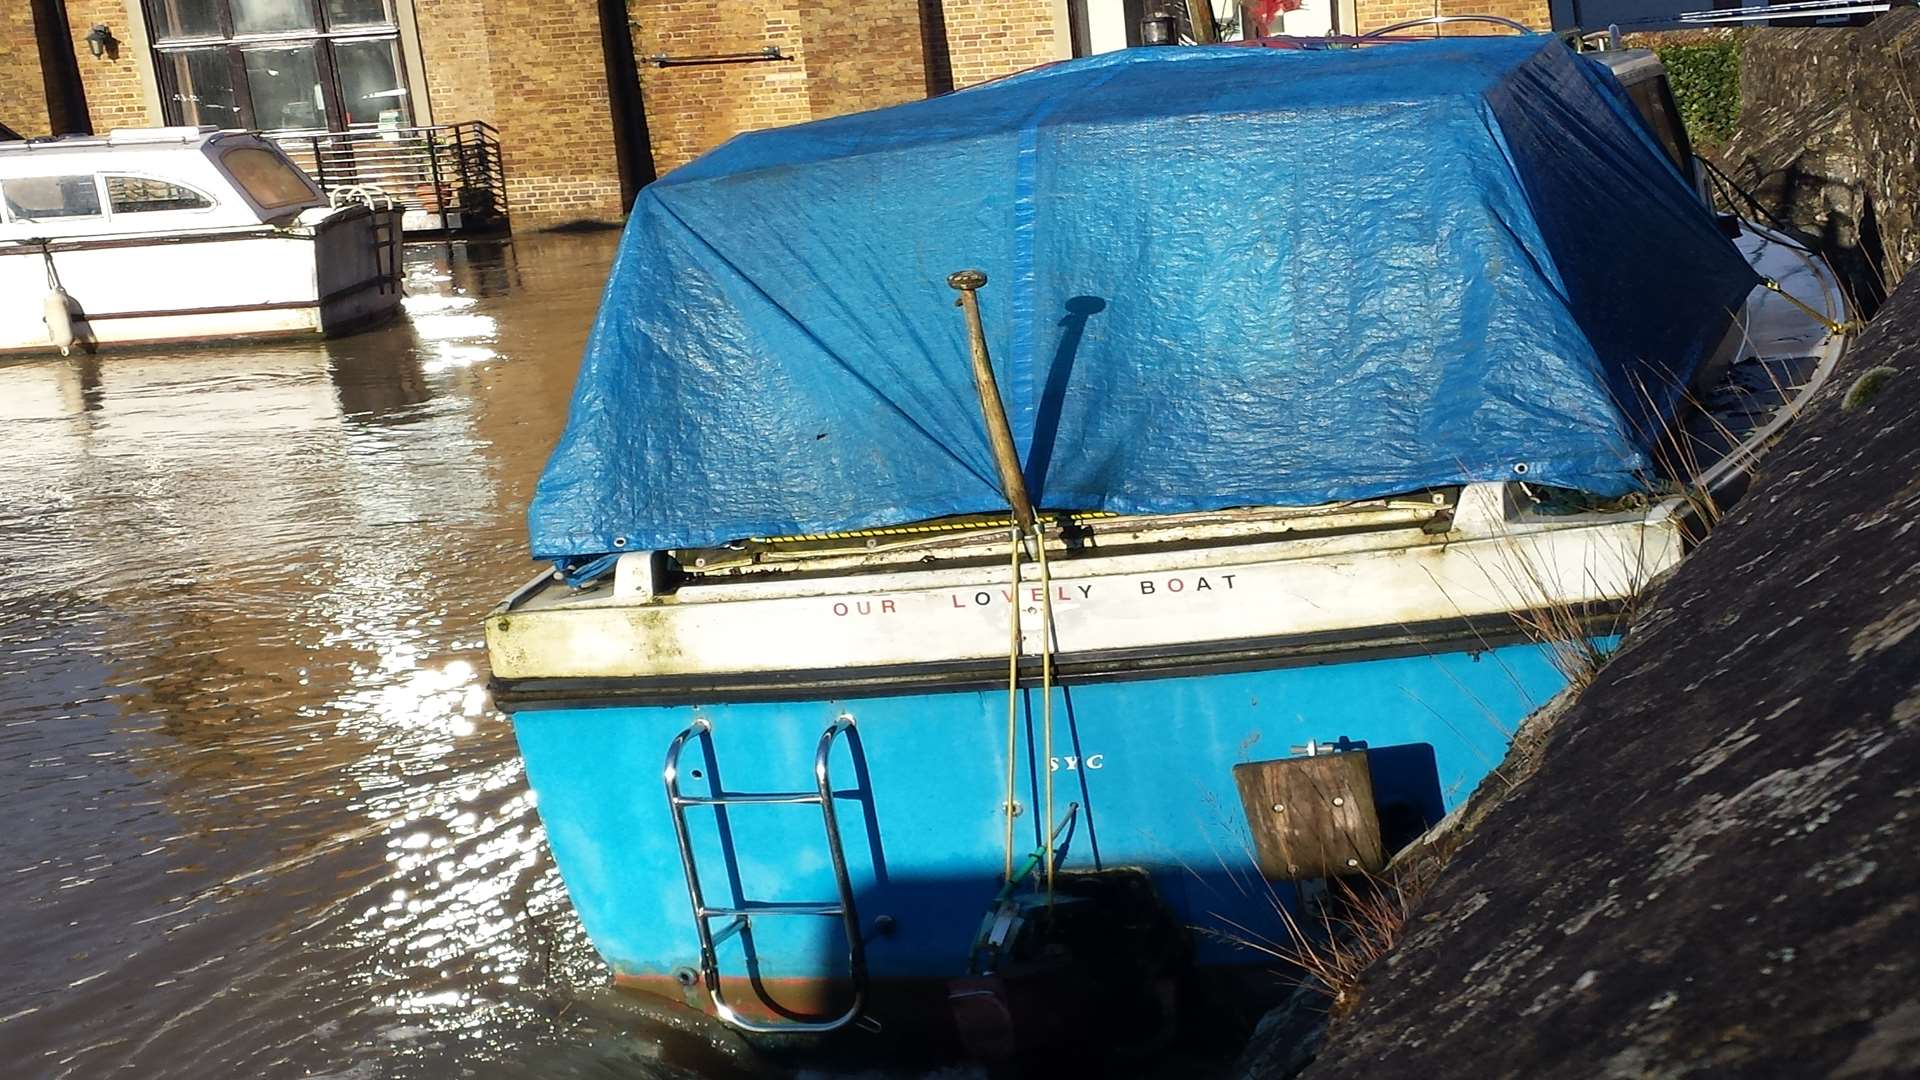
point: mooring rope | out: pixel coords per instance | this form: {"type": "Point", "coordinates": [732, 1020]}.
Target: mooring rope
{"type": "Point", "coordinates": [1013, 693]}
{"type": "Point", "coordinates": [1046, 694]}
{"type": "Point", "coordinates": [46, 253]}
{"type": "Point", "coordinates": [1014, 651]}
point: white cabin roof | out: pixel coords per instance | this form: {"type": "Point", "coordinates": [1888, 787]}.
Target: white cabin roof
{"type": "Point", "coordinates": [161, 137]}
{"type": "Point", "coordinates": [190, 157]}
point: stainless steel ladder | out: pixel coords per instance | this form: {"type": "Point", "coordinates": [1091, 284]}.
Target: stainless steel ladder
{"type": "Point", "coordinates": [742, 917]}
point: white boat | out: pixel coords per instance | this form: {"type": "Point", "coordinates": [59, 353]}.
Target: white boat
{"type": "Point", "coordinates": [181, 234]}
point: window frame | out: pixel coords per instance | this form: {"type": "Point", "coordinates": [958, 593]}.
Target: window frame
{"type": "Point", "coordinates": [99, 194]}
{"type": "Point", "coordinates": [322, 37]}
{"type": "Point", "coordinates": [246, 192]}
{"type": "Point", "coordinates": [213, 204]}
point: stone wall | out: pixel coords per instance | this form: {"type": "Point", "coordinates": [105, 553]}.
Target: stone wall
{"type": "Point", "coordinates": [1711, 872]}
{"type": "Point", "coordinates": [1829, 123]}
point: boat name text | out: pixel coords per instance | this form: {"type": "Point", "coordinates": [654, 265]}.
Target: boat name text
{"type": "Point", "coordinates": [964, 599]}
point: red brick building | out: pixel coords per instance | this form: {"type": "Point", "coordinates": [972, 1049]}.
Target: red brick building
{"type": "Point", "coordinates": [590, 98]}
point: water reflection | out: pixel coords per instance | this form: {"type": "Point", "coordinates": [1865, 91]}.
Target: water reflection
{"type": "Point", "coordinates": [261, 819]}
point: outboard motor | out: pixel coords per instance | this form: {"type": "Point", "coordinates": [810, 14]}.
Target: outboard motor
{"type": "Point", "coordinates": [1101, 964]}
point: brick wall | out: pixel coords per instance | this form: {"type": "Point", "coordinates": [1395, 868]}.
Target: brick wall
{"type": "Point", "coordinates": [115, 86]}
{"type": "Point", "coordinates": [23, 97]}
{"type": "Point", "coordinates": [690, 110]}
{"type": "Point", "coordinates": [847, 55]}
{"type": "Point", "coordinates": [871, 57]}
{"type": "Point", "coordinates": [457, 54]}
{"type": "Point", "coordinates": [990, 38]}
{"type": "Point", "coordinates": [1374, 14]}
{"type": "Point", "coordinates": [533, 69]}
{"type": "Point", "coordinates": [841, 61]}
{"type": "Point", "coordinates": [550, 104]}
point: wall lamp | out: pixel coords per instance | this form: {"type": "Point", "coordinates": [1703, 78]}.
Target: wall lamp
{"type": "Point", "coordinates": [100, 40]}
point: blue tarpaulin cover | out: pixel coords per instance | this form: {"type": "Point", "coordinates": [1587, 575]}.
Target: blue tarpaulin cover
{"type": "Point", "coordinates": [1217, 277]}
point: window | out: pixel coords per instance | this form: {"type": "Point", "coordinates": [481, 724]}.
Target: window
{"type": "Point", "coordinates": [51, 198]}
{"type": "Point", "coordinates": [280, 65]}
{"type": "Point", "coordinates": [268, 178]}
{"type": "Point", "coordinates": [1655, 104]}
{"type": "Point", "coordinates": [144, 195]}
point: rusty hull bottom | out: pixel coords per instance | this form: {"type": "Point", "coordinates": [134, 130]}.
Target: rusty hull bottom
{"type": "Point", "coordinates": [1218, 1007]}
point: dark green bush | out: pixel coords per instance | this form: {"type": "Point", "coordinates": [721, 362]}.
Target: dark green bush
{"type": "Point", "coordinates": [1706, 86]}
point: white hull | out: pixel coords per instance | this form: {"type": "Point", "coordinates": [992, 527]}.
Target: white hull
{"type": "Point", "coordinates": [1485, 559]}
{"type": "Point", "coordinates": [333, 278]}
{"type": "Point", "coordinates": [180, 235]}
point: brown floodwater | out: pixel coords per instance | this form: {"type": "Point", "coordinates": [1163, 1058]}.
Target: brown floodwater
{"type": "Point", "coordinates": [260, 818]}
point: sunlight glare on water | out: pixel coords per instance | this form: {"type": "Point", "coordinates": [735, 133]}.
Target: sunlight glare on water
{"type": "Point", "coordinates": [262, 819]}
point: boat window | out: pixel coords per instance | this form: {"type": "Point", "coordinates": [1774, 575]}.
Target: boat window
{"type": "Point", "coordinates": [51, 198]}
{"type": "Point", "coordinates": [266, 177]}
{"type": "Point", "coordinates": [144, 195]}
{"type": "Point", "coordinates": [1655, 105]}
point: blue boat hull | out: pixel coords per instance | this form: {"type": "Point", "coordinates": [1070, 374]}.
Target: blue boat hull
{"type": "Point", "coordinates": [1149, 762]}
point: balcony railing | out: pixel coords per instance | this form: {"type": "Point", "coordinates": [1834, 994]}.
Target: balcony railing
{"type": "Point", "coordinates": [447, 177]}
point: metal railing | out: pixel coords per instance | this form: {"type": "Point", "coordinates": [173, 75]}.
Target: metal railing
{"type": "Point", "coordinates": [448, 176]}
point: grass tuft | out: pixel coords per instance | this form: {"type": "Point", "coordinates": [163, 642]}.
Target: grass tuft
{"type": "Point", "coordinates": [1867, 387]}
{"type": "Point", "coordinates": [1359, 920]}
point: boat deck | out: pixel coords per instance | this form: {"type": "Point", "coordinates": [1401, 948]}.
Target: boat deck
{"type": "Point", "coordinates": [1784, 355]}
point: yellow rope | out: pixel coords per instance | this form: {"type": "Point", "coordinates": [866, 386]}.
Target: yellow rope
{"type": "Point", "coordinates": [1046, 695]}
{"type": "Point", "coordinates": [954, 526]}
{"type": "Point", "coordinates": [1013, 696]}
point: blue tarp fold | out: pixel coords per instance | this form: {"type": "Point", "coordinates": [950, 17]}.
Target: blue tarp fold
{"type": "Point", "coordinates": [1217, 277]}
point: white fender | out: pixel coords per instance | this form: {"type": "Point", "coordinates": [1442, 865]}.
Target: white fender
{"type": "Point", "coordinates": [58, 313]}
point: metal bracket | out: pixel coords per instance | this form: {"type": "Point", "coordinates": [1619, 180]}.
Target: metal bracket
{"type": "Point", "coordinates": [771, 52]}
{"type": "Point", "coordinates": [1318, 748]}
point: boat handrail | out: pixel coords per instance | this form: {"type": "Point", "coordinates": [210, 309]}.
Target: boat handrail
{"type": "Point", "coordinates": [742, 913]}
{"type": "Point", "coordinates": [1442, 20]}
{"type": "Point", "coordinates": [371, 196]}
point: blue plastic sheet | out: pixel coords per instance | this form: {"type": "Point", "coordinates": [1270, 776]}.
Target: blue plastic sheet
{"type": "Point", "coordinates": [1217, 277]}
